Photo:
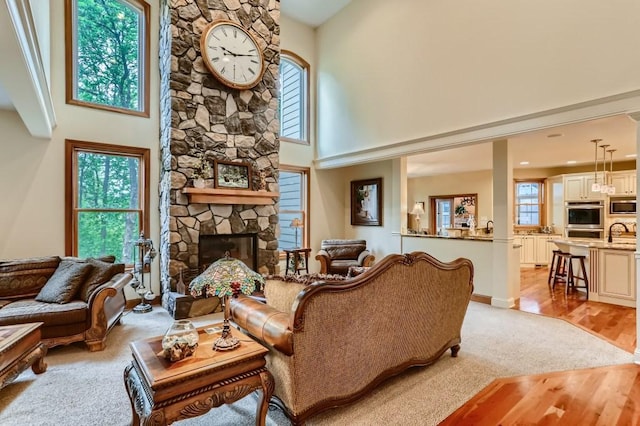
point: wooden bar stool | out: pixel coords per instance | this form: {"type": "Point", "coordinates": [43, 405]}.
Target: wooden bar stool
{"type": "Point", "coordinates": [573, 277]}
{"type": "Point", "coordinates": [556, 265]}
{"type": "Point", "coordinates": [561, 270]}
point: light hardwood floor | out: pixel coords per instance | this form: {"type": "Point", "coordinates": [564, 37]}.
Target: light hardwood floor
{"type": "Point", "coordinates": [595, 396]}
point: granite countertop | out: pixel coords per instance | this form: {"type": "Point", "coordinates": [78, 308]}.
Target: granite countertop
{"type": "Point", "coordinates": [615, 245]}
{"type": "Point", "coordinates": [448, 237]}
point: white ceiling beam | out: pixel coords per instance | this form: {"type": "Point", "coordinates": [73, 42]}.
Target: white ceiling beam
{"type": "Point", "coordinates": [22, 73]}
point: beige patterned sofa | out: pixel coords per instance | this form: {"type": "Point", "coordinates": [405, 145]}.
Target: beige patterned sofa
{"type": "Point", "coordinates": [332, 342]}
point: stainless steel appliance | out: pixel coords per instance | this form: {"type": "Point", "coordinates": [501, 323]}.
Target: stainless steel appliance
{"type": "Point", "coordinates": [585, 219]}
{"type": "Point", "coordinates": [622, 206]}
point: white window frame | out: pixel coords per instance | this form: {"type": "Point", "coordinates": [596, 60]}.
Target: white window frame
{"type": "Point", "coordinates": [303, 68]}
{"type": "Point", "coordinates": [302, 214]}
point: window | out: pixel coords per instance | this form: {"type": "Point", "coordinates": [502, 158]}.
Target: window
{"type": "Point", "coordinates": [452, 211]}
{"type": "Point", "coordinates": [107, 55]}
{"type": "Point", "coordinates": [294, 204]}
{"type": "Point", "coordinates": [529, 203]}
{"type": "Point", "coordinates": [107, 199]}
{"type": "Point", "coordinates": [294, 98]}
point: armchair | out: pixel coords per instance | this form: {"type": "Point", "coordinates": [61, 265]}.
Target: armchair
{"type": "Point", "coordinates": [337, 256]}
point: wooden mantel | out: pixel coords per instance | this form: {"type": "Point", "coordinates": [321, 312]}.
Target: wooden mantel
{"type": "Point", "coordinates": [229, 196]}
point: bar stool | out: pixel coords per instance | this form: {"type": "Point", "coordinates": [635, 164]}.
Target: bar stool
{"type": "Point", "coordinates": [573, 277]}
{"type": "Point", "coordinates": [556, 266]}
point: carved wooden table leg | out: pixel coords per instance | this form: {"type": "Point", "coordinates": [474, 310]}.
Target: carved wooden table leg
{"type": "Point", "coordinates": [39, 366]}
{"type": "Point", "coordinates": [268, 384]}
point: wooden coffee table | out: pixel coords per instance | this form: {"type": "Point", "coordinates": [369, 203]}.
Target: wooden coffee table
{"type": "Point", "coordinates": [20, 347]}
{"type": "Point", "coordinates": [162, 392]}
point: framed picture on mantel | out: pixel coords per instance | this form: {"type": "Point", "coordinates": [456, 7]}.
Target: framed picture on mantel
{"type": "Point", "coordinates": [233, 175]}
{"type": "Point", "coordinates": [366, 202]}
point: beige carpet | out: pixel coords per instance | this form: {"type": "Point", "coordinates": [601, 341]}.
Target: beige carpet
{"type": "Point", "coordinates": [84, 388]}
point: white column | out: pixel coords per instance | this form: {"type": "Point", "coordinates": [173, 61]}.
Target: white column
{"type": "Point", "coordinates": [506, 262]}
{"type": "Point", "coordinates": [636, 355]}
{"type": "Point", "coordinates": [399, 201]}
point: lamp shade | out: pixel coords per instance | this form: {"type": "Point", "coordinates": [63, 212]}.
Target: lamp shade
{"type": "Point", "coordinates": [417, 209]}
{"type": "Point", "coordinates": [296, 223]}
{"type": "Point", "coordinates": [225, 277]}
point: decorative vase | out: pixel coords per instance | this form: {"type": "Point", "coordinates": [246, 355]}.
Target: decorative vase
{"type": "Point", "coordinates": [198, 183]}
{"type": "Point", "coordinates": [180, 340]}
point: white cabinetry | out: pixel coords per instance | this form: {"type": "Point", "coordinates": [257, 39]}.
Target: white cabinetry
{"type": "Point", "coordinates": [577, 187]}
{"type": "Point", "coordinates": [536, 249]}
{"type": "Point", "coordinates": [544, 249]}
{"type": "Point", "coordinates": [624, 182]}
{"type": "Point", "coordinates": [617, 280]}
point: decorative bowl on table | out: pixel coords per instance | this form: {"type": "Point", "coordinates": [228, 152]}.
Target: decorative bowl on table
{"type": "Point", "coordinates": [180, 341]}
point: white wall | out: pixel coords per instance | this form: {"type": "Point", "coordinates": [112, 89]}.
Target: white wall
{"type": "Point", "coordinates": [381, 240]}
{"type": "Point", "coordinates": [32, 170]}
{"type": "Point", "coordinates": [396, 71]}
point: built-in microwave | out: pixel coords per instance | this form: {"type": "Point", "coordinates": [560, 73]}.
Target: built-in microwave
{"type": "Point", "coordinates": [622, 206]}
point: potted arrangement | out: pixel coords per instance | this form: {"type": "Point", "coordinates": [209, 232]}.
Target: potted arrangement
{"type": "Point", "coordinates": [201, 172]}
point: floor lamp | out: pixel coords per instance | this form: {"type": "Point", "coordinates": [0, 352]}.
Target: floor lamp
{"type": "Point", "coordinates": [295, 224]}
{"type": "Point", "coordinates": [417, 210]}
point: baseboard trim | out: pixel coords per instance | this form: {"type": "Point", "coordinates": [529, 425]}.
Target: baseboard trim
{"type": "Point", "coordinates": [503, 303]}
{"type": "Point", "coordinates": [481, 298]}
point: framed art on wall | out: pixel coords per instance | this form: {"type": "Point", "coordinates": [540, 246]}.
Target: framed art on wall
{"type": "Point", "coordinates": [366, 202]}
{"type": "Point", "coordinates": [232, 175]}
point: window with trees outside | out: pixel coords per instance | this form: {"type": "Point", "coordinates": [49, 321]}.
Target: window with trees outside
{"type": "Point", "coordinates": [294, 204]}
{"type": "Point", "coordinates": [294, 98]}
{"type": "Point", "coordinates": [529, 203]}
{"type": "Point", "coordinates": [107, 55]}
{"type": "Point", "coordinates": [107, 199]}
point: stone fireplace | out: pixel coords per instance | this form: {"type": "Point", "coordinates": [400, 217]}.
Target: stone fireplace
{"type": "Point", "coordinates": [203, 120]}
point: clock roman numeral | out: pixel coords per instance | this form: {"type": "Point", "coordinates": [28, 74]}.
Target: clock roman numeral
{"type": "Point", "coordinates": [254, 61]}
{"type": "Point", "coordinates": [252, 71]}
{"type": "Point", "coordinates": [224, 32]}
{"type": "Point", "coordinates": [216, 59]}
{"type": "Point", "coordinates": [252, 50]}
{"type": "Point", "coordinates": [235, 33]}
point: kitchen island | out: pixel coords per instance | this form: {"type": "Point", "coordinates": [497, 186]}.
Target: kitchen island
{"type": "Point", "coordinates": [611, 269]}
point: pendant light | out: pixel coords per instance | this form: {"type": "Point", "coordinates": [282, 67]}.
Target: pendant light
{"type": "Point", "coordinates": [595, 186]}
{"type": "Point", "coordinates": [611, 190]}
{"type": "Point", "coordinates": [604, 188]}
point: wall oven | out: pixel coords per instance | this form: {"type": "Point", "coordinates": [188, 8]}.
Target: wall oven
{"type": "Point", "coordinates": [585, 219]}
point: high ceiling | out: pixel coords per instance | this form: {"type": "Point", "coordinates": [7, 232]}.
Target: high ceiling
{"type": "Point", "coordinates": [312, 12]}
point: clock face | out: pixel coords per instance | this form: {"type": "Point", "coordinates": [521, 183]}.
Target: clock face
{"type": "Point", "coordinates": [232, 54]}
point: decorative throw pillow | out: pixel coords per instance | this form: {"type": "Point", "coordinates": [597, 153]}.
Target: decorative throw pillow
{"type": "Point", "coordinates": [65, 282]}
{"type": "Point", "coordinates": [100, 274]}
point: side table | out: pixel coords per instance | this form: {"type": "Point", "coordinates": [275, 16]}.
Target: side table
{"type": "Point", "coordinates": [20, 348]}
{"type": "Point", "coordinates": [297, 260]}
{"type": "Point", "coordinates": [163, 392]}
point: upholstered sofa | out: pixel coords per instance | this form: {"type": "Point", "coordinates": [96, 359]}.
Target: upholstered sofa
{"type": "Point", "coordinates": [332, 342]}
{"type": "Point", "coordinates": [337, 256]}
{"type": "Point", "coordinates": [76, 299]}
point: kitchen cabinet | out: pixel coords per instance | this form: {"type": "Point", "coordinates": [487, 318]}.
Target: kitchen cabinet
{"type": "Point", "coordinates": [624, 182]}
{"type": "Point", "coordinates": [617, 277]}
{"type": "Point", "coordinates": [577, 187]}
{"type": "Point", "coordinates": [544, 249]}
{"type": "Point", "coordinates": [535, 249]}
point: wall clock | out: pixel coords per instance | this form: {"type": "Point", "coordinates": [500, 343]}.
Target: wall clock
{"type": "Point", "coordinates": [232, 54]}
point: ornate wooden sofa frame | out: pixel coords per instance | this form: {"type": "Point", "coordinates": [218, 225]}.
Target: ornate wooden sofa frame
{"type": "Point", "coordinates": [333, 342]}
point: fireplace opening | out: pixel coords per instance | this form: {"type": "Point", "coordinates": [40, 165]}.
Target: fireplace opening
{"type": "Point", "coordinates": [243, 247]}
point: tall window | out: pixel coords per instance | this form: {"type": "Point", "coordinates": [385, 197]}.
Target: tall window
{"type": "Point", "coordinates": [107, 54]}
{"type": "Point", "coordinates": [107, 197]}
{"type": "Point", "coordinates": [529, 203]}
{"type": "Point", "coordinates": [294, 98]}
{"type": "Point", "coordinates": [294, 204]}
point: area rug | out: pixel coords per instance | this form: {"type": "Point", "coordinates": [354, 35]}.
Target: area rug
{"type": "Point", "coordinates": [86, 388]}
